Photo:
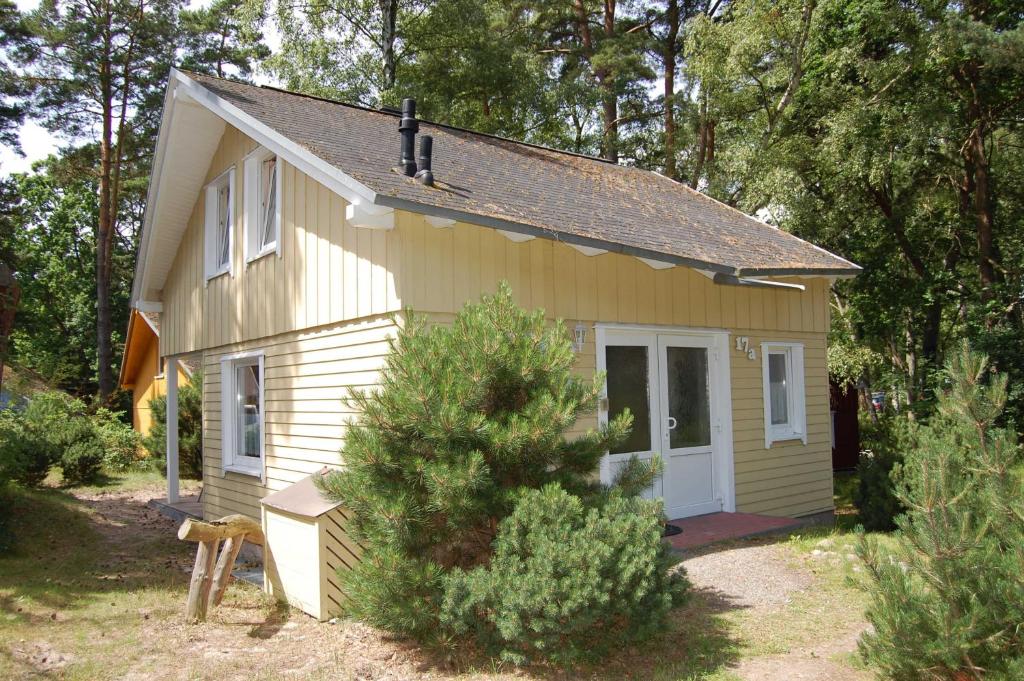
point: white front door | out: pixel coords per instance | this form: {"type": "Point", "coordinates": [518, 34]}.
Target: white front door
{"type": "Point", "coordinates": [672, 383]}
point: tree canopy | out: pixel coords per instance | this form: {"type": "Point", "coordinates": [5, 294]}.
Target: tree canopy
{"type": "Point", "coordinates": [889, 133]}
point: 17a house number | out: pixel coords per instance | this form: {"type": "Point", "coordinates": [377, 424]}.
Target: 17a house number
{"type": "Point", "coordinates": [743, 345]}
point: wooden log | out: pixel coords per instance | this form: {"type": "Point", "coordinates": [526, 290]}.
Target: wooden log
{"type": "Point", "coordinates": [222, 575]}
{"type": "Point", "coordinates": [225, 528]}
{"type": "Point", "coordinates": [199, 586]}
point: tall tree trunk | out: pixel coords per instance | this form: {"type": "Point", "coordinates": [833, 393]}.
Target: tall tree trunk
{"type": "Point", "coordinates": [104, 230]}
{"type": "Point", "coordinates": [609, 97]}
{"type": "Point", "coordinates": [389, 21]}
{"type": "Point", "coordinates": [668, 59]}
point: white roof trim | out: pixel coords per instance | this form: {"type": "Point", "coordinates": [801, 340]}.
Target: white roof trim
{"type": "Point", "coordinates": [182, 90]}
{"type": "Point", "coordinates": [323, 172]}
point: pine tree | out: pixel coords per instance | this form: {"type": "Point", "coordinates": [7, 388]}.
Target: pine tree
{"type": "Point", "coordinates": [948, 602]}
{"type": "Point", "coordinates": [466, 417]}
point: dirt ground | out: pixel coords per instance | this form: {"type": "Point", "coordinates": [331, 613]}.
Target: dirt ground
{"type": "Point", "coordinates": [762, 610]}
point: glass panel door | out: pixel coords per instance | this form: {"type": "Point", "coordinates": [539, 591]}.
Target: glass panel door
{"type": "Point", "coordinates": [687, 419]}
{"type": "Point", "coordinates": [631, 367]}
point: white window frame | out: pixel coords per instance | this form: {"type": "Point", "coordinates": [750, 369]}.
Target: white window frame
{"type": "Point", "coordinates": [230, 463]}
{"type": "Point", "coordinates": [212, 220]}
{"type": "Point", "coordinates": [253, 168]}
{"type": "Point", "coordinates": [796, 394]}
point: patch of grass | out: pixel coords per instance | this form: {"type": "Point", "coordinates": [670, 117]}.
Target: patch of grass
{"type": "Point", "coordinates": [131, 480]}
{"type": "Point", "coordinates": [80, 592]}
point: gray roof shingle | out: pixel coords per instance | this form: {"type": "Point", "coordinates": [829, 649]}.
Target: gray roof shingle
{"type": "Point", "coordinates": [556, 194]}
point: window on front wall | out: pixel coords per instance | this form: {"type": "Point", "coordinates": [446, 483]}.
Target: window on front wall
{"type": "Point", "coordinates": [262, 212]}
{"type": "Point", "coordinates": [243, 413]}
{"type": "Point", "coordinates": [219, 217]}
{"type": "Point", "coordinates": [784, 402]}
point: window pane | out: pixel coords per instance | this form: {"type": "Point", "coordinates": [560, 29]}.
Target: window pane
{"type": "Point", "coordinates": [688, 399]}
{"type": "Point", "coordinates": [247, 383]}
{"type": "Point", "coordinates": [224, 223]}
{"type": "Point", "coordinates": [627, 388]}
{"type": "Point", "coordinates": [777, 388]}
{"type": "Point", "coordinates": [268, 202]}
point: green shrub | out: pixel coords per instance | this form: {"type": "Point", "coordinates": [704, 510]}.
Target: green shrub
{"type": "Point", "coordinates": [878, 471]}
{"type": "Point", "coordinates": [190, 430]}
{"type": "Point", "coordinates": [567, 581]}
{"type": "Point", "coordinates": [948, 601]}
{"type": "Point", "coordinates": [82, 461]}
{"type": "Point", "coordinates": [120, 441]}
{"type": "Point", "coordinates": [468, 418]}
{"type": "Point", "coordinates": [54, 429]}
{"type": "Point", "coordinates": [24, 458]}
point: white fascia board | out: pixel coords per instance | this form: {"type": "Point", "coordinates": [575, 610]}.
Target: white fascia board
{"type": "Point", "coordinates": [320, 170]}
{"type": "Point", "coordinates": [138, 283]}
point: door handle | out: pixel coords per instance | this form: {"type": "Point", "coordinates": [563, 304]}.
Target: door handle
{"type": "Point", "coordinates": [672, 423]}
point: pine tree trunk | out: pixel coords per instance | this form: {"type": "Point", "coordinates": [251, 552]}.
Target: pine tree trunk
{"type": "Point", "coordinates": [609, 99]}
{"type": "Point", "coordinates": [389, 21]}
{"type": "Point", "coordinates": [104, 234]}
{"type": "Point", "coordinates": [669, 66]}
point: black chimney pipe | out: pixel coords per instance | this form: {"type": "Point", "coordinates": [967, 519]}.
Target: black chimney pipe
{"type": "Point", "coordinates": [425, 174]}
{"type": "Point", "coordinates": [408, 127]}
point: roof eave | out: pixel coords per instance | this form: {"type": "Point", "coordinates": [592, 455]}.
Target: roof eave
{"type": "Point", "coordinates": [542, 233]}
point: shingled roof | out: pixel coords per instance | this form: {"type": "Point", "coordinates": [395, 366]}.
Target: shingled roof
{"type": "Point", "coordinates": [553, 194]}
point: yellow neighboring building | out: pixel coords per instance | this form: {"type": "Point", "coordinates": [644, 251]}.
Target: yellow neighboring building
{"type": "Point", "coordinates": [142, 369]}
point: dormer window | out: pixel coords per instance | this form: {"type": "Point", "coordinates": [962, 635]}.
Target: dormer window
{"type": "Point", "coordinates": [263, 205]}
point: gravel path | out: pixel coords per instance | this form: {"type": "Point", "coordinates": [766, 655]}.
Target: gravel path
{"type": "Point", "coordinates": [763, 578]}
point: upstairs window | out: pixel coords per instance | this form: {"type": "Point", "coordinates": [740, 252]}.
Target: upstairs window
{"type": "Point", "coordinates": [262, 204]}
{"type": "Point", "coordinates": [784, 400]}
{"type": "Point", "coordinates": [219, 218]}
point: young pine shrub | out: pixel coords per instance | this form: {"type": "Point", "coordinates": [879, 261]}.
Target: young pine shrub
{"type": "Point", "coordinates": [878, 471]}
{"type": "Point", "coordinates": [948, 601]}
{"type": "Point", "coordinates": [567, 582]}
{"type": "Point", "coordinates": [467, 417]}
{"type": "Point", "coordinates": [190, 429]}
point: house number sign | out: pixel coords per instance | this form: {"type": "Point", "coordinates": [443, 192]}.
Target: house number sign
{"type": "Point", "coordinates": [743, 345]}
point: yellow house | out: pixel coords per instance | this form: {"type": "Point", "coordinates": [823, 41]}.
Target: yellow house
{"type": "Point", "coordinates": [281, 245]}
{"type": "Point", "coordinates": [142, 368]}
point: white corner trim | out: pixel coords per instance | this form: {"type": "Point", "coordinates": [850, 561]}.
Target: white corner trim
{"type": "Point", "coordinates": [515, 237]}
{"type": "Point", "coordinates": [656, 264]}
{"type": "Point", "coordinates": [589, 251]}
{"type": "Point", "coordinates": [439, 222]}
{"type": "Point", "coordinates": [344, 185]}
{"type": "Point", "coordinates": [149, 306]}
{"type": "Point", "coordinates": [357, 215]}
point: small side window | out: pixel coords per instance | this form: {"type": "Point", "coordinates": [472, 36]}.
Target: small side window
{"type": "Point", "coordinates": [784, 400]}
{"type": "Point", "coordinates": [219, 219]}
{"type": "Point", "coordinates": [262, 211]}
{"type": "Point", "coordinates": [242, 416]}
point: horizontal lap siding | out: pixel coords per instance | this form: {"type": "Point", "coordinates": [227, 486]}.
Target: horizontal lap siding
{"type": "Point", "coordinates": [299, 441]}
